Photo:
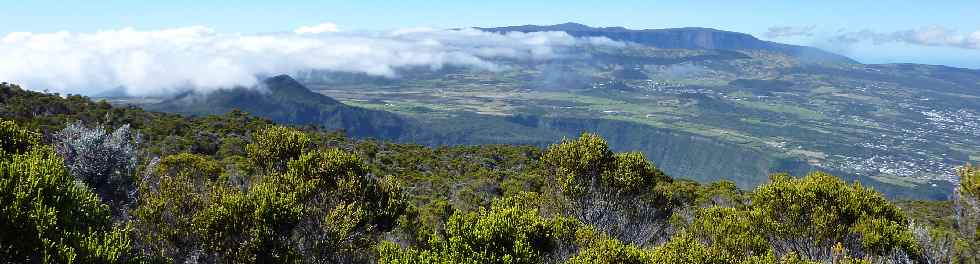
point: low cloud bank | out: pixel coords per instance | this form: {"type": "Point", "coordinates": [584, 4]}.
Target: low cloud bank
{"type": "Point", "coordinates": [934, 36]}
{"type": "Point", "coordinates": [927, 36]}
{"type": "Point", "coordinates": [159, 62]}
{"type": "Point", "coordinates": [789, 31]}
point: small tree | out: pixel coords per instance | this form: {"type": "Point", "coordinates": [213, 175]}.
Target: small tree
{"type": "Point", "coordinates": [614, 192]}
{"type": "Point", "coordinates": [173, 190]}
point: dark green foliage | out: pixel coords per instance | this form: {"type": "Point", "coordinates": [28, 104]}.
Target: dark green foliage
{"type": "Point", "coordinates": [321, 206]}
{"type": "Point", "coordinates": [936, 227]}
{"type": "Point", "coordinates": [586, 164]}
{"type": "Point", "coordinates": [633, 174]}
{"type": "Point", "coordinates": [162, 134]}
{"type": "Point", "coordinates": [683, 249]}
{"type": "Point", "coordinates": [250, 227]}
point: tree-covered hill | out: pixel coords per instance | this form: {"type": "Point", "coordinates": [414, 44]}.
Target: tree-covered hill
{"type": "Point", "coordinates": [284, 100]}
{"type": "Point", "coordinates": [85, 182]}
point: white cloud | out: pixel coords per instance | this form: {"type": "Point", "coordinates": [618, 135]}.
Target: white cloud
{"type": "Point", "coordinates": [155, 62]}
{"type": "Point", "coordinates": [789, 31]}
{"type": "Point", "coordinates": [317, 29]}
{"type": "Point", "coordinates": [926, 36]}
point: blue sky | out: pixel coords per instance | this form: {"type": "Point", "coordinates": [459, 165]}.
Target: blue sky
{"type": "Point", "coordinates": [824, 19]}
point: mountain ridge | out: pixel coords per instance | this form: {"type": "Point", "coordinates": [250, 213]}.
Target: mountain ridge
{"type": "Point", "coordinates": [283, 99]}
{"type": "Point", "coordinates": [684, 38]}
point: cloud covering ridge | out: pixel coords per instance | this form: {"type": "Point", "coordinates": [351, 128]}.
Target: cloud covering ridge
{"type": "Point", "coordinates": [158, 62]}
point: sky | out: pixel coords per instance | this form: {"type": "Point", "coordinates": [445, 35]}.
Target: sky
{"type": "Point", "coordinates": [883, 31]}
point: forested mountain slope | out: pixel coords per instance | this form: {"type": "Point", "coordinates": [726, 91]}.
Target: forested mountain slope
{"type": "Point", "coordinates": [680, 153]}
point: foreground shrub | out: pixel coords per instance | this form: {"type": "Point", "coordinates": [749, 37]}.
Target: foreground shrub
{"type": "Point", "coordinates": [172, 192]}
{"type": "Point", "coordinates": [104, 161]}
{"type": "Point", "coordinates": [615, 193]}
{"type": "Point", "coordinates": [504, 233]}
{"type": "Point", "coordinates": [272, 148]}
{"type": "Point", "coordinates": [809, 216]}
{"type": "Point", "coordinates": [322, 206]}
{"type": "Point", "coordinates": [44, 215]}
{"type": "Point", "coordinates": [966, 201]}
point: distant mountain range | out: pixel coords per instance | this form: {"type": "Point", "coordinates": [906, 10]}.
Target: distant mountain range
{"type": "Point", "coordinates": [685, 38]}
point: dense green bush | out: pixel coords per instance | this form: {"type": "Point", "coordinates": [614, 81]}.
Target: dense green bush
{"type": "Point", "coordinates": [969, 180]}
{"type": "Point", "coordinates": [578, 165]}
{"type": "Point", "coordinates": [967, 202]}
{"type": "Point", "coordinates": [617, 193]}
{"type": "Point", "coordinates": [16, 139]}
{"type": "Point", "coordinates": [810, 215]}
{"type": "Point", "coordinates": [507, 232]}
{"type": "Point", "coordinates": [729, 233]}
{"type": "Point", "coordinates": [346, 209]}
{"type": "Point", "coordinates": [272, 148]}
{"type": "Point", "coordinates": [173, 190]}
{"type": "Point", "coordinates": [45, 216]}
{"type": "Point", "coordinates": [609, 251]}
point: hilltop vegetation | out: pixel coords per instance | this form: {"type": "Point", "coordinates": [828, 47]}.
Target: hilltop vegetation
{"type": "Point", "coordinates": [236, 188]}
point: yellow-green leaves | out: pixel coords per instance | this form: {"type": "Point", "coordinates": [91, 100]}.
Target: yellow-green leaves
{"type": "Point", "coordinates": [45, 216]}
{"type": "Point", "coordinates": [273, 147]}
{"type": "Point", "coordinates": [820, 210]}
{"type": "Point", "coordinates": [683, 249]}
{"type": "Point", "coordinates": [14, 139]}
{"type": "Point", "coordinates": [967, 200]}
{"type": "Point", "coordinates": [729, 233]}
{"type": "Point", "coordinates": [970, 180]}
{"type": "Point", "coordinates": [586, 164]}
{"type": "Point", "coordinates": [501, 234]}
{"type": "Point", "coordinates": [633, 174]}
{"type": "Point", "coordinates": [577, 163]}
{"type": "Point", "coordinates": [610, 251]}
